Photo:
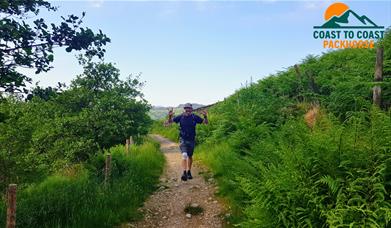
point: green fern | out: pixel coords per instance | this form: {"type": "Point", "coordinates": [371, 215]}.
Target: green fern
{"type": "Point", "coordinates": [331, 183]}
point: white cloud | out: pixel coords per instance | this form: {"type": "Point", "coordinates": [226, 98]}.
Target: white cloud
{"type": "Point", "coordinates": [316, 5]}
{"type": "Point", "coordinates": [96, 3]}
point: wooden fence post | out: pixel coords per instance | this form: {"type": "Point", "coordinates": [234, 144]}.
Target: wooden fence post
{"type": "Point", "coordinates": [107, 169]}
{"type": "Point", "coordinates": [11, 206]}
{"type": "Point", "coordinates": [127, 146]}
{"type": "Point", "coordinates": [378, 76]}
{"type": "Point", "coordinates": [131, 142]}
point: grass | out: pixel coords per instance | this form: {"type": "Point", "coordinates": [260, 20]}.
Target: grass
{"type": "Point", "coordinates": [193, 210]}
{"type": "Point", "coordinates": [77, 197]}
{"type": "Point", "coordinates": [171, 132]}
{"type": "Point", "coordinates": [225, 165]}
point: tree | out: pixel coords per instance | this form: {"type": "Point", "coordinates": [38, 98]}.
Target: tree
{"type": "Point", "coordinates": [113, 108]}
{"type": "Point", "coordinates": [45, 93]}
{"type": "Point", "coordinates": [61, 125]}
{"type": "Point", "coordinates": [100, 76]}
{"type": "Point", "coordinates": [30, 45]}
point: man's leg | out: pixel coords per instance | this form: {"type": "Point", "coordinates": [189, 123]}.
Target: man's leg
{"type": "Point", "coordinates": [189, 162]}
{"type": "Point", "coordinates": [190, 159]}
{"type": "Point", "coordinates": [184, 166]}
{"type": "Point", "coordinates": [185, 163]}
{"type": "Point", "coordinates": [183, 148]}
{"type": "Point", "coordinates": [190, 151]}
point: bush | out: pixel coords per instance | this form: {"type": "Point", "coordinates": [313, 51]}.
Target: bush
{"type": "Point", "coordinates": [40, 136]}
{"type": "Point", "coordinates": [76, 196]}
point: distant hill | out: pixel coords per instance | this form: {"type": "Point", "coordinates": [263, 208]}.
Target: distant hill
{"type": "Point", "coordinates": [160, 112]}
{"type": "Point", "coordinates": [195, 105]}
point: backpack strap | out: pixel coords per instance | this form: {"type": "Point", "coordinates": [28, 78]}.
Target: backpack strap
{"type": "Point", "coordinates": [192, 115]}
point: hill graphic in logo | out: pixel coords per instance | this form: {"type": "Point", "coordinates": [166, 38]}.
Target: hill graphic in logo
{"type": "Point", "coordinates": [338, 15]}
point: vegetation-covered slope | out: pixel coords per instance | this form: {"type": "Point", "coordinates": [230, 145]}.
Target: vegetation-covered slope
{"type": "Point", "coordinates": [308, 152]}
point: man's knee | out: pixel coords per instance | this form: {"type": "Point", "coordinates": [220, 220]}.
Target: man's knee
{"type": "Point", "coordinates": [184, 156]}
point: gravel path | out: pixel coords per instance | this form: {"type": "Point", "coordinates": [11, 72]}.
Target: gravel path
{"type": "Point", "coordinates": [166, 207]}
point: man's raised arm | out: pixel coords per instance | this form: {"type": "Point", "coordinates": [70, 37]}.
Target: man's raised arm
{"type": "Point", "coordinates": [169, 121]}
{"type": "Point", "coordinates": [205, 114]}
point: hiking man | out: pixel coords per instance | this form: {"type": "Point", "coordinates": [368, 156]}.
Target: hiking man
{"type": "Point", "coordinates": [187, 122]}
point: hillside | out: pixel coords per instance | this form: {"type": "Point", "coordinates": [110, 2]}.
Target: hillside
{"type": "Point", "coordinates": [305, 147]}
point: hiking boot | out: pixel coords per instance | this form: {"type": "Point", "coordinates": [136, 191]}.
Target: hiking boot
{"type": "Point", "coordinates": [184, 176]}
{"type": "Point", "coordinates": [189, 176]}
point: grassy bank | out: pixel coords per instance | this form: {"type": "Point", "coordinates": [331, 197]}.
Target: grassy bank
{"type": "Point", "coordinates": [171, 132]}
{"type": "Point", "coordinates": [335, 174]}
{"type": "Point", "coordinates": [307, 149]}
{"type": "Point", "coordinates": [77, 197]}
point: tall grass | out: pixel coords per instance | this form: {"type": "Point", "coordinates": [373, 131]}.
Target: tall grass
{"type": "Point", "coordinates": [170, 132]}
{"type": "Point", "coordinates": [77, 197]}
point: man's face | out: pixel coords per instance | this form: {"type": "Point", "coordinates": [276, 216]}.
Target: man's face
{"type": "Point", "coordinates": [188, 111]}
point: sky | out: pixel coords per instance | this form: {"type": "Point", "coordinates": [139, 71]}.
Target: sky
{"type": "Point", "coordinates": [199, 51]}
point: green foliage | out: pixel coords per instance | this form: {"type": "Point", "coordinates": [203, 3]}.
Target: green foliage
{"type": "Point", "coordinates": [276, 171]}
{"type": "Point", "coordinates": [41, 136]}
{"type": "Point", "coordinates": [171, 132]}
{"type": "Point", "coordinates": [46, 93]}
{"type": "Point", "coordinates": [77, 197]}
{"type": "Point", "coordinates": [334, 175]}
{"type": "Point", "coordinates": [29, 43]}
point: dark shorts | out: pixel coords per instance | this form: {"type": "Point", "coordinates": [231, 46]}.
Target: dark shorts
{"type": "Point", "coordinates": [187, 146]}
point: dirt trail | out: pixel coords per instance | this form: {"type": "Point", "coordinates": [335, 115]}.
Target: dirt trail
{"type": "Point", "coordinates": [165, 208]}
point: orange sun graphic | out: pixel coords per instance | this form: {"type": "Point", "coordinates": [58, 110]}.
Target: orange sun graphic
{"type": "Point", "coordinates": [335, 9]}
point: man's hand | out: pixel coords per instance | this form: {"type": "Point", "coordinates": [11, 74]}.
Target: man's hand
{"type": "Point", "coordinates": [170, 112]}
{"type": "Point", "coordinates": [205, 114]}
{"type": "Point", "coordinates": [170, 116]}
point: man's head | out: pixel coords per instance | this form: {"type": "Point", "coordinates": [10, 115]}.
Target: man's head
{"type": "Point", "coordinates": [188, 108]}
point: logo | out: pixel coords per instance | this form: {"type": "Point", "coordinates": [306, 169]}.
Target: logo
{"type": "Point", "coordinates": [344, 28]}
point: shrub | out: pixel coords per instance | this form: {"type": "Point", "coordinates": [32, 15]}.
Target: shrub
{"type": "Point", "coordinates": [76, 196]}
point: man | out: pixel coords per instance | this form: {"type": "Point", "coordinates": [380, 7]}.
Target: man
{"type": "Point", "coordinates": [187, 122]}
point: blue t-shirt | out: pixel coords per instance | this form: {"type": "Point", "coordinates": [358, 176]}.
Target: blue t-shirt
{"type": "Point", "coordinates": [187, 125]}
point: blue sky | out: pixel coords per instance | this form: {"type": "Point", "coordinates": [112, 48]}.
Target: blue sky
{"type": "Point", "coordinates": [200, 51]}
